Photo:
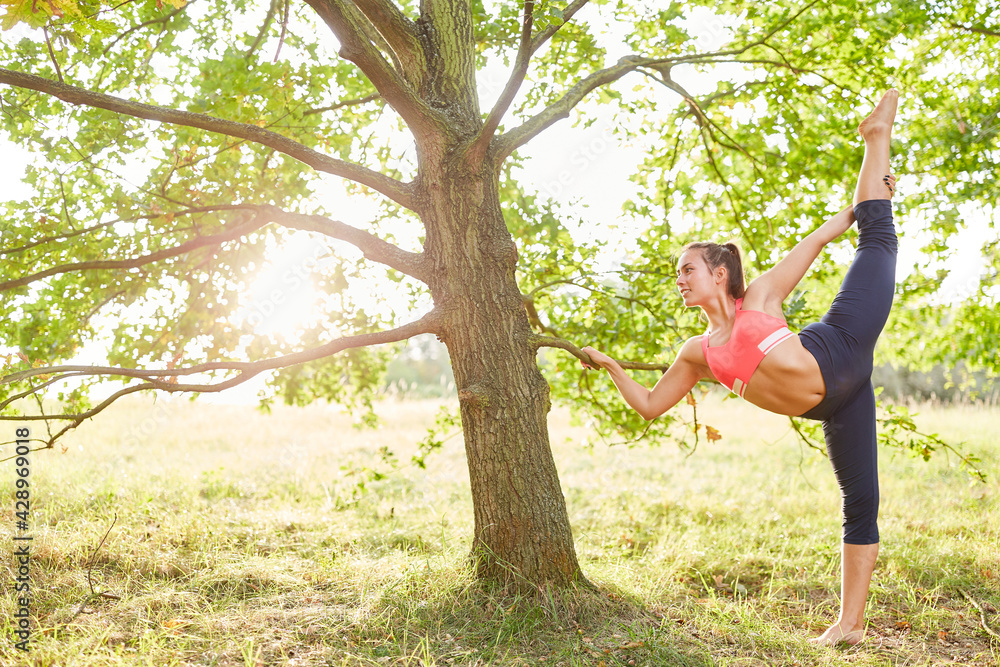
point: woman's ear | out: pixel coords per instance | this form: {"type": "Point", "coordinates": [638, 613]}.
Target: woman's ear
{"type": "Point", "coordinates": [721, 274]}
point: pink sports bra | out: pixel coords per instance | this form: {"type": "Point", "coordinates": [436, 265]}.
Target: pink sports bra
{"type": "Point", "coordinates": [754, 335]}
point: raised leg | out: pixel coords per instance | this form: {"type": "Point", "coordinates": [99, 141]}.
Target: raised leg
{"type": "Point", "coordinates": [876, 130]}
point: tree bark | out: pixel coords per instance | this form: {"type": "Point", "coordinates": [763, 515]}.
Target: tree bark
{"type": "Point", "coordinates": [522, 533]}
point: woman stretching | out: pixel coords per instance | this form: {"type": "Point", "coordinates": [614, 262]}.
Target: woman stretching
{"type": "Point", "coordinates": [823, 373]}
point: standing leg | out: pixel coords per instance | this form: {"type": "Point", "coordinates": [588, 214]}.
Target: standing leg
{"type": "Point", "coordinates": [876, 130]}
{"type": "Point", "coordinates": [857, 564]}
{"type": "Point", "coordinates": [856, 567]}
{"type": "Point", "coordinates": [851, 444]}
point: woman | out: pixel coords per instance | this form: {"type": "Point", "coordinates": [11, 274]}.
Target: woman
{"type": "Point", "coordinates": [822, 373]}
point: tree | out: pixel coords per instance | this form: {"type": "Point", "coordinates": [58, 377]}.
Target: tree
{"type": "Point", "coordinates": [181, 142]}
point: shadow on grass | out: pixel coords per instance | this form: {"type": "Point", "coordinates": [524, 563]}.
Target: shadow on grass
{"type": "Point", "coordinates": [423, 621]}
{"type": "Point", "coordinates": [435, 613]}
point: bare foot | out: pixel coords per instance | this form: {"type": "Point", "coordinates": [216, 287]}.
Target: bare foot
{"type": "Point", "coordinates": [836, 635]}
{"type": "Point", "coordinates": [881, 118]}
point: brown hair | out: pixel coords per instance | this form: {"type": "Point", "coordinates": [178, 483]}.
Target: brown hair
{"type": "Point", "coordinates": [727, 255]}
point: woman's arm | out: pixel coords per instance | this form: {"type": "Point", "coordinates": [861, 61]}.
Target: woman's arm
{"type": "Point", "coordinates": [672, 386]}
{"type": "Point", "coordinates": [774, 286]}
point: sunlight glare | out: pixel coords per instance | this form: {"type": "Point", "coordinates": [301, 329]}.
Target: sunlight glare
{"type": "Point", "coordinates": [282, 300]}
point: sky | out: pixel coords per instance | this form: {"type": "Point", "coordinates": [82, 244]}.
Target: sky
{"type": "Point", "coordinates": [585, 166]}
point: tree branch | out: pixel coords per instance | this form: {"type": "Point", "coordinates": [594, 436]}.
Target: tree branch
{"type": "Point", "coordinates": [654, 312]}
{"type": "Point", "coordinates": [727, 190]}
{"type": "Point", "coordinates": [348, 25]}
{"type": "Point", "coordinates": [160, 19]}
{"type": "Point", "coordinates": [558, 110]}
{"type": "Point", "coordinates": [429, 323]}
{"type": "Point", "coordinates": [400, 33]}
{"type": "Point", "coordinates": [533, 317]}
{"type": "Point", "coordinates": [511, 140]}
{"type": "Point", "coordinates": [401, 193]}
{"type": "Point", "coordinates": [272, 9]}
{"type": "Point", "coordinates": [60, 237]}
{"type": "Point", "coordinates": [976, 29]}
{"type": "Point", "coordinates": [234, 232]}
{"type": "Point", "coordinates": [344, 103]}
{"type": "Point", "coordinates": [371, 33]}
{"type": "Point", "coordinates": [374, 248]}
{"type": "Point", "coordinates": [547, 34]}
{"type": "Point", "coordinates": [477, 150]}
{"type": "Point", "coordinates": [153, 379]}
{"type": "Point", "coordinates": [805, 438]}
{"type": "Point", "coordinates": [546, 341]}
{"type": "Point", "coordinates": [703, 119]}
{"type": "Point", "coordinates": [34, 389]}
{"type": "Point", "coordinates": [783, 63]}
{"type": "Point", "coordinates": [284, 29]}
{"type": "Point", "coordinates": [695, 57]}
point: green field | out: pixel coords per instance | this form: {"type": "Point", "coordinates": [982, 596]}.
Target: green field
{"type": "Point", "coordinates": [240, 540]}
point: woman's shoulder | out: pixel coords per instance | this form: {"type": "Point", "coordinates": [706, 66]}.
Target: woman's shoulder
{"type": "Point", "coordinates": [692, 352]}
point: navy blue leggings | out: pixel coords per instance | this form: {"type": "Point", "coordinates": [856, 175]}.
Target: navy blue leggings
{"type": "Point", "coordinates": [843, 342]}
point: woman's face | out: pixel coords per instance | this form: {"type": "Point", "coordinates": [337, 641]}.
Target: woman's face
{"type": "Point", "coordinates": [695, 279]}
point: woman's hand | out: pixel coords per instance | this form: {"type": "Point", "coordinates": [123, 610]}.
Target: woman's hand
{"type": "Point", "coordinates": [672, 386]}
{"type": "Point", "coordinates": [890, 182]}
{"type": "Point", "coordinates": [602, 360]}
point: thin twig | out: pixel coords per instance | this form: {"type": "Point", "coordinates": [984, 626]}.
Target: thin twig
{"type": "Point", "coordinates": [803, 437]}
{"type": "Point", "coordinates": [976, 29]}
{"type": "Point", "coordinates": [547, 33]}
{"type": "Point", "coordinates": [90, 565]}
{"type": "Point", "coordinates": [982, 615]}
{"type": "Point", "coordinates": [636, 439]}
{"type": "Point", "coordinates": [596, 403]}
{"type": "Point", "coordinates": [52, 55]}
{"type": "Point", "coordinates": [693, 402]}
{"type": "Point", "coordinates": [345, 103]}
{"type": "Point", "coordinates": [271, 10]}
{"type": "Point", "coordinates": [161, 19]}
{"type": "Point", "coordinates": [90, 581]}
{"type": "Point", "coordinates": [284, 29]}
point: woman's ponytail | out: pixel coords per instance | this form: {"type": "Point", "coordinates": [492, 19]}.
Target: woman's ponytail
{"type": "Point", "coordinates": [734, 267]}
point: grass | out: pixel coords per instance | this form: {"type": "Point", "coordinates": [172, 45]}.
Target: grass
{"type": "Point", "coordinates": [239, 540]}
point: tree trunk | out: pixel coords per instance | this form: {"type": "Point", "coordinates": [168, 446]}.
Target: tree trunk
{"type": "Point", "coordinates": [522, 533]}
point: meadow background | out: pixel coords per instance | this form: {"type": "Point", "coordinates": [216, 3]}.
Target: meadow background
{"type": "Point", "coordinates": [241, 539]}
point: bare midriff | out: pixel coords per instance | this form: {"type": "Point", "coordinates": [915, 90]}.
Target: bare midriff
{"type": "Point", "coordinates": [788, 380]}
